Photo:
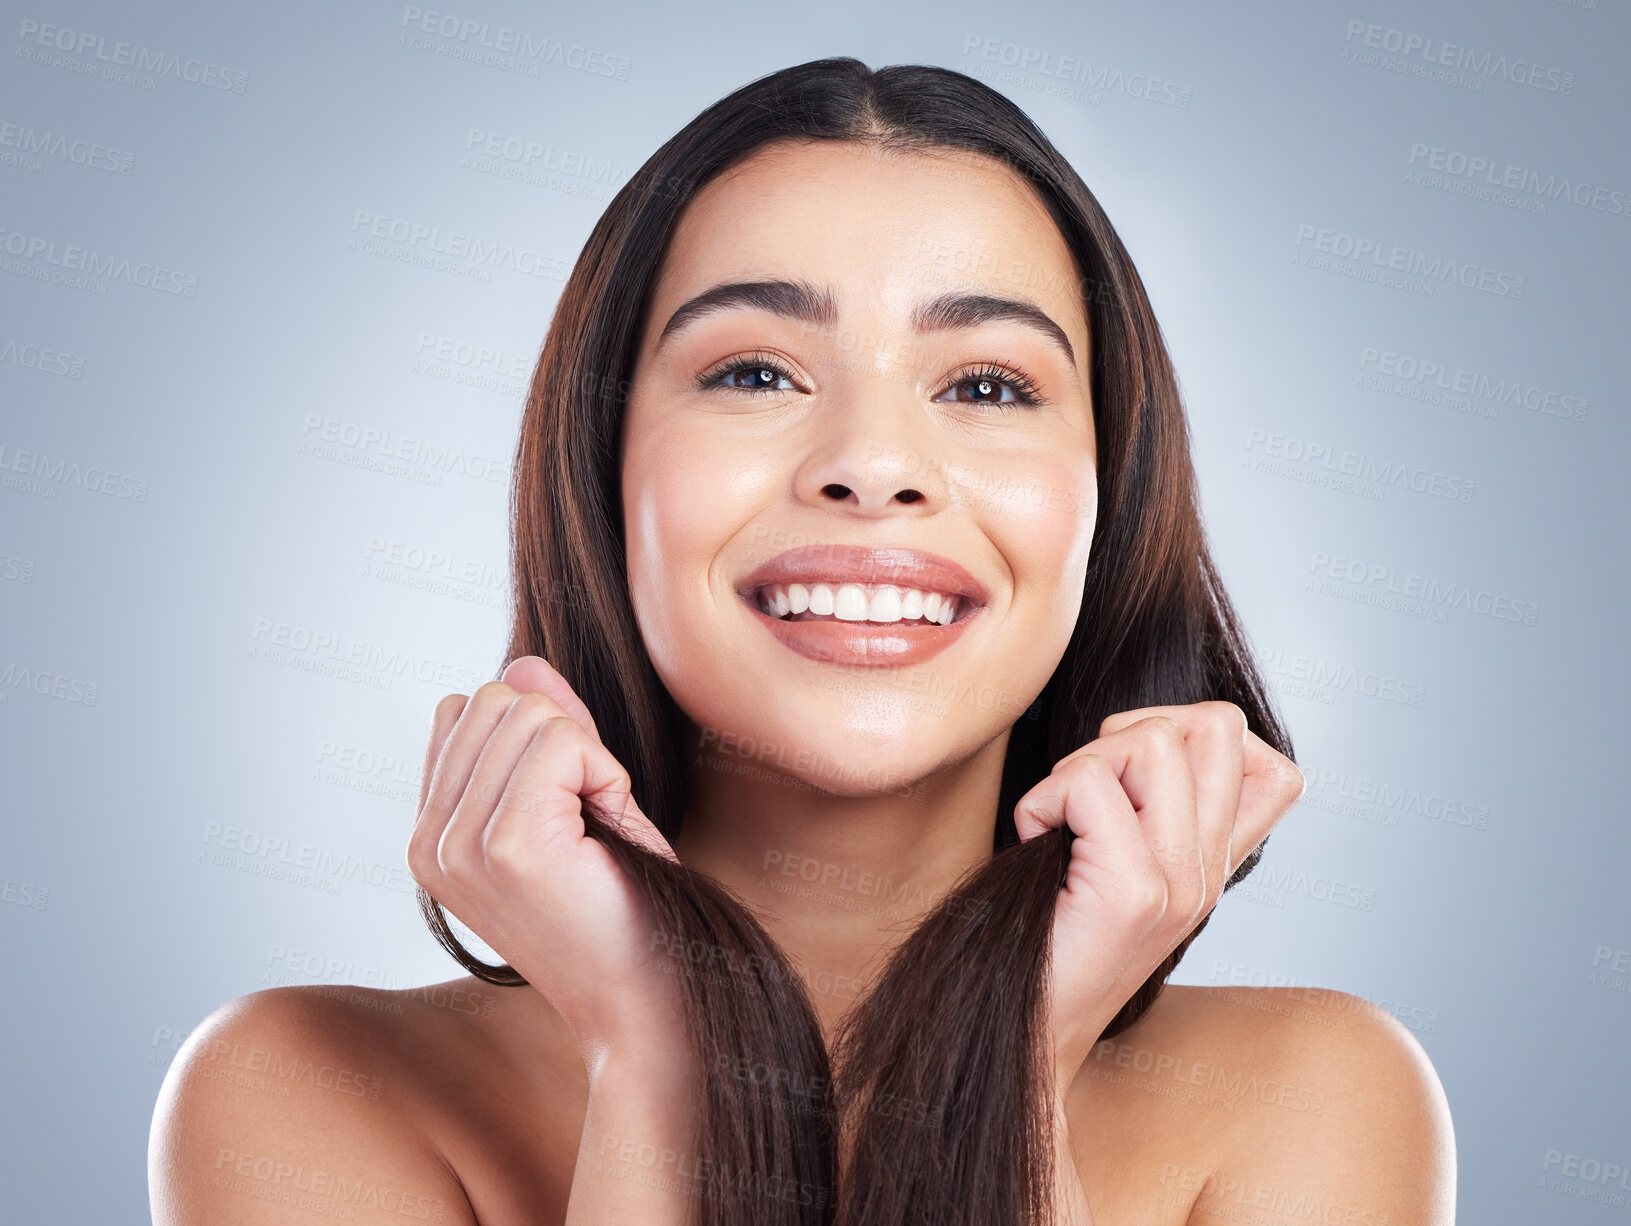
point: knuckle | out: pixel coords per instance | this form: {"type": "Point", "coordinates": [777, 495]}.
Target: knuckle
{"type": "Point", "coordinates": [1223, 721]}
{"type": "Point", "coordinates": [454, 855]}
{"type": "Point", "coordinates": [421, 861]}
{"type": "Point", "coordinates": [532, 700]}
{"type": "Point", "coordinates": [1162, 728]}
{"type": "Point", "coordinates": [1229, 715]}
{"type": "Point", "coordinates": [1082, 764]}
{"type": "Point", "coordinates": [559, 722]}
{"type": "Point", "coordinates": [530, 710]}
{"type": "Point", "coordinates": [558, 726]}
{"type": "Point", "coordinates": [502, 843]}
{"type": "Point", "coordinates": [1150, 896]}
{"type": "Point", "coordinates": [492, 691]}
{"type": "Point", "coordinates": [453, 862]}
{"type": "Point", "coordinates": [1292, 782]}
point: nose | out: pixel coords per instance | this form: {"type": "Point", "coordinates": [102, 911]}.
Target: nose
{"type": "Point", "coordinates": [864, 499]}
{"type": "Point", "coordinates": [872, 455]}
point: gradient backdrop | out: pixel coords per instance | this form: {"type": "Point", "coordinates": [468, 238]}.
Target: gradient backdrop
{"type": "Point", "coordinates": [256, 420]}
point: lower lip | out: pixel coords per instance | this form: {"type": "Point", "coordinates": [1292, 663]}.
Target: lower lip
{"type": "Point", "coordinates": [863, 644]}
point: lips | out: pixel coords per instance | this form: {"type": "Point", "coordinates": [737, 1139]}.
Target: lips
{"type": "Point", "coordinates": [845, 638]}
{"type": "Point", "coordinates": [867, 565]}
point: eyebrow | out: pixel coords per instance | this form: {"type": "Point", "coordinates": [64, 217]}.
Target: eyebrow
{"type": "Point", "coordinates": [809, 304]}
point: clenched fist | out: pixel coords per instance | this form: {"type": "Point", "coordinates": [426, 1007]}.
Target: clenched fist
{"type": "Point", "coordinates": [1165, 804]}
{"type": "Point", "coordinates": [500, 842]}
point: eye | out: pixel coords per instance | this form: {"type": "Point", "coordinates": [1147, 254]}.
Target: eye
{"type": "Point", "coordinates": [993, 385]}
{"type": "Point", "coordinates": [756, 374]}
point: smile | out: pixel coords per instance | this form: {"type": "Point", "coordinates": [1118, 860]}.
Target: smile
{"type": "Point", "coordinates": [863, 605]}
{"type": "Point", "coordinates": [880, 603]}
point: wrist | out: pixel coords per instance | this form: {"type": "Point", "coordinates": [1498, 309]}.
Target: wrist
{"type": "Point", "coordinates": [1069, 1058]}
{"type": "Point", "coordinates": [630, 1032]}
{"type": "Point", "coordinates": [658, 1064]}
{"type": "Point", "coordinates": [1073, 1044]}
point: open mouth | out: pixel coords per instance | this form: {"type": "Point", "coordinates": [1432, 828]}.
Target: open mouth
{"type": "Point", "coordinates": [876, 604]}
{"type": "Point", "coordinates": [863, 605]}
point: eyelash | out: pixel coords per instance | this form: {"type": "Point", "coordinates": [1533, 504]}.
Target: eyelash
{"type": "Point", "coordinates": [1022, 385]}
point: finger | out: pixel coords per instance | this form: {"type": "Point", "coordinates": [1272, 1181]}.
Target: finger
{"type": "Point", "coordinates": [1215, 740]}
{"type": "Point", "coordinates": [460, 847]}
{"type": "Point", "coordinates": [441, 725]}
{"type": "Point", "coordinates": [1072, 795]}
{"type": "Point", "coordinates": [1270, 785]}
{"type": "Point", "coordinates": [559, 771]}
{"type": "Point", "coordinates": [1152, 762]}
{"type": "Point", "coordinates": [535, 674]}
{"type": "Point", "coordinates": [475, 723]}
{"type": "Point", "coordinates": [1110, 849]}
{"type": "Point", "coordinates": [1217, 745]}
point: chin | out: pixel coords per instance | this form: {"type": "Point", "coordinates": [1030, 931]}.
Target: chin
{"type": "Point", "coordinates": [870, 738]}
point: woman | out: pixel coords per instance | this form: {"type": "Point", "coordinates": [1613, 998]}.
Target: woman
{"type": "Point", "coordinates": [875, 739]}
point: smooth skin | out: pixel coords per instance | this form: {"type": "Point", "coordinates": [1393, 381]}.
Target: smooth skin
{"type": "Point", "coordinates": [541, 1104]}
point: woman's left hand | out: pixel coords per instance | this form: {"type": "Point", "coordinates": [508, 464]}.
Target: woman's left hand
{"type": "Point", "coordinates": [1165, 804]}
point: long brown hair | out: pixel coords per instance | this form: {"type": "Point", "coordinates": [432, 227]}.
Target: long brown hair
{"type": "Point", "coordinates": [940, 1084]}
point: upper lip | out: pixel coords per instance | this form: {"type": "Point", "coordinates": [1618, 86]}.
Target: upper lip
{"type": "Point", "coordinates": [899, 565]}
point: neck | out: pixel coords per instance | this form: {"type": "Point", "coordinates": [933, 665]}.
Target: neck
{"type": "Point", "coordinates": [839, 881]}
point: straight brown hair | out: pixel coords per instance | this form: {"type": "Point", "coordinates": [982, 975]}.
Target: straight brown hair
{"type": "Point", "coordinates": [940, 1088]}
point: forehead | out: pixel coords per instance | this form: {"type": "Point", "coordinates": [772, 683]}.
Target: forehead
{"type": "Point", "coordinates": [884, 227]}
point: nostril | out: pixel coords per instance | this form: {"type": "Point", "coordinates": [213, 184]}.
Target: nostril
{"type": "Point", "coordinates": [909, 496]}
{"type": "Point", "coordinates": [837, 491]}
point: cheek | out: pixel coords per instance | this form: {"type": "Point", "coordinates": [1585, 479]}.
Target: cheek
{"type": "Point", "coordinates": [1041, 514]}
{"type": "Point", "coordinates": [685, 497]}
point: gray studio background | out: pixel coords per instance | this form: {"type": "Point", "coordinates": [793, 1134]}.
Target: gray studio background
{"type": "Point", "coordinates": [256, 425]}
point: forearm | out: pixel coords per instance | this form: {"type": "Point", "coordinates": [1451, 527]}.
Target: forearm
{"type": "Point", "coordinates": [636, 1158]}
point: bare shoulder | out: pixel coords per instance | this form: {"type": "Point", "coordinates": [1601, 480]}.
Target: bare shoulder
{"type": "Point", "coordinates": [299, 1100]}
{"type": "Point", "coordinates": [1332, 1107]}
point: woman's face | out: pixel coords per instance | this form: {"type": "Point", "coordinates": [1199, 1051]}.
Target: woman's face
{"type": "Point", "coordinates": [893, 398]}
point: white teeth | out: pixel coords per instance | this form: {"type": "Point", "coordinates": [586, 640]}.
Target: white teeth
{"type": "Point", "coordinates": [855, 602]}
{"type": "Point", "coordinates": [884, 605]}
{"type": "Point", "coordinates": [849, 604]}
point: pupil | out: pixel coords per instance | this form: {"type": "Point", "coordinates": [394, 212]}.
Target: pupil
{"type": "Point", "coordinates": [984, 387]}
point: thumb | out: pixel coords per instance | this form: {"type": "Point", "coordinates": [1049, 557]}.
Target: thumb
{"type": "Point", "coordinates": [535, 675]}
{"type": "Point", "coordinates": [638, 828]}
{"type": "Point", "coordinates": [606, 787]}
{"type": "Point", "coordinates": [1039, 810]}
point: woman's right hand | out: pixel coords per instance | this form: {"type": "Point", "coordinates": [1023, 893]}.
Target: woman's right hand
{"type": "Point", "coordinates": [500, 842]}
